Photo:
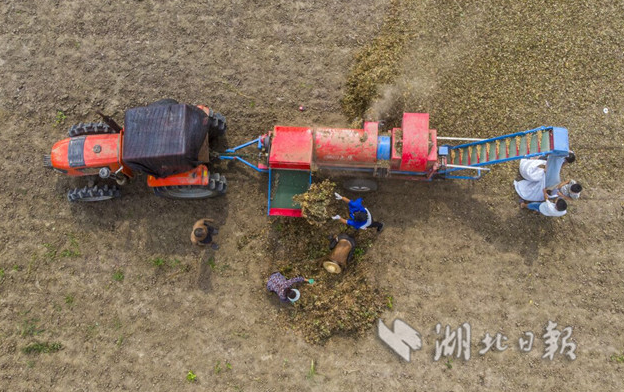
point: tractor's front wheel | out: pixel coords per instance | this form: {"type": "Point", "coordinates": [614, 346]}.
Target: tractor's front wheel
{"type": "Point", "coordinates": [93, 193]}
{"type": "Point", "coordinates": [216, 187]}
{"type": "Point", "coordinates": [89, 129]}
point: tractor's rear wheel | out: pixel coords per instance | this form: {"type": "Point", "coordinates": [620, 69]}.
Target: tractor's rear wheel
{"type": "Point", "coordinates": [218, 126]}
{"type": "Point", "coordinates": [217, 186]}
{"type": "Point", "coordinates": [89, 129]}
{"type": "Point", "coordinates": [360, 185]}
{"type": "Point", "coordinates": [94, 193]}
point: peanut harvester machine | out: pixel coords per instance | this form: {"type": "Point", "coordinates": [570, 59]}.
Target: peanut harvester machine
{"type": "Point", "coordinates": [291, 154]}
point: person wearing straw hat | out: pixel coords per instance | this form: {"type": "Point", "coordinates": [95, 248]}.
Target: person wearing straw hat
{"type": "Point", "coordinates": [202, 233]}
{"type": "Point", "coordinates": [283, 288]}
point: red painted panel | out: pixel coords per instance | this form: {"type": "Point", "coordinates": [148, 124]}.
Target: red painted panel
{"type": "Point", "coordinates": [291, 148]}
{"type": "Point", "coordinates": [415, 141]}
{"type": "Point", "coordinates": [108, 155]}
{"type": "Point", "coordinates": [108, 147]}
{"type": "Point", "coordinates": [284, 212]}
{"type": "Point", "coordinates": [59, 155]}
{"type": "Point", "coordinates": [197, 176]}
{"type": "Point", "coordinates": [346, 147]}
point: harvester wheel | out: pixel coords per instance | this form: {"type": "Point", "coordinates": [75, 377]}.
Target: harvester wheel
{"type": "Point", "coordinates": [216, 186]}
{"type": "Point", "coordinates": [360, 185]}
{"type": "Point", "coordinates": [162, 102]}
{"type": "Point", "coordinates": [94, 193]}
{"type": "Point", "coordinates": [89, 129]}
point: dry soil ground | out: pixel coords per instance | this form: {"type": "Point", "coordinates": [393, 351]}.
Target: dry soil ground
{"type": "Point", "coordinates": [87, 276]}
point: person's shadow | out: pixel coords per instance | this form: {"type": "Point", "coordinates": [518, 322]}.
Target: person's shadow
{"type": "Point", "coordinates": [524, 234]}
{"type": "Point", "coordinates": [206, 265]}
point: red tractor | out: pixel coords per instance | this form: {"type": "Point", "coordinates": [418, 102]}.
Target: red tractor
{"type": "Point", "coordinates": [165, 140]}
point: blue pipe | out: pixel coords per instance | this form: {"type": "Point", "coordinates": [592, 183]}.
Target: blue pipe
{"type": "Point", "coordinates": [360, 169]}
{"type": "Point", "coordinates": [242, 145]}
{"type": "Point", "coordinates": [407, 173]}
{"type": "Point", "coordinates": [228, 158]}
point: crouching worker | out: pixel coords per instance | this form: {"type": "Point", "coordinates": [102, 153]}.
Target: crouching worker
{"type": "Point", "coordinates": [568, 190]}
{"type": "Point", "coordinates": [361, 218]}
{"type": "Point", "coordinates": [548, 208]}
{"type": "Point", "coordinates": [202, 233]}
{"type": "Point", "coordinates": [342, 247]}
{"type": "Point", "coordinates": [283, 288]}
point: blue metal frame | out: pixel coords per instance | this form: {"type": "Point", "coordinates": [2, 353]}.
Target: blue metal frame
{"type": "Point", "coordinates": [256, 140]}
{"type": "Point", "coordinates": [358, 169]}
{"type": "Point", "coordinates": [542, 128]}
{"type": "Point", "coordinates": [251, 165]}
{"type": "Point", "coordinates": [537, 154]}
{"type": "Point", "coordinates": [269, 207]}
{"type": "Point", "coordinates": [269, 195]}
{"type": "Point", "coordinates": [238, 158]}
{"type": "Point", "coordinates": [463, 177]}
{"type": "Point", "coordinates": [408, 173]}
{"type": "Point", "coordinates": [560, 144]}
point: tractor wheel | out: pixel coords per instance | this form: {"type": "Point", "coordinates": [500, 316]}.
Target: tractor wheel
{"type": "Point", "coordinates": [360, 185]}
{"type": "Point", "coordinates": [163, 102]}
{"type": "Point", "coordinates": [93, 193]}
{"type": "Point", "coordinates": [89, 129]}
{"type": "Point", "coordinates": [218, 126]}
{"type": "Point", "coordinates": [217, 186]}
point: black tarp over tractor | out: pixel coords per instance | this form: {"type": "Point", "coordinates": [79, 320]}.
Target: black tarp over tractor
{"type": "Point", "coordinates": [165, 139]}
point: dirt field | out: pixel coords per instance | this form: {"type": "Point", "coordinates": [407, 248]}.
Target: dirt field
{"type": "Point", "coordinates": [135, 307]}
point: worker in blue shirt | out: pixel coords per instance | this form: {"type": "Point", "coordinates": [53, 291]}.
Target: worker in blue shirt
{"type": "Point", "coordinates": [360, 217]}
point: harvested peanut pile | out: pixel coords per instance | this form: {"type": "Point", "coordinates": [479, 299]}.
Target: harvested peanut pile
{"type": "Point", "coordinates": [348, 303]}
{"type": "Point", "coordinates": [315, 203]}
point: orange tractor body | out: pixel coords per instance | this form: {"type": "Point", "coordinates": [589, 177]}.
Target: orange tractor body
{"type": "Point", "coordinates": [167, 141]}
{"type": "Point", "coordinates": [85, 155]}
